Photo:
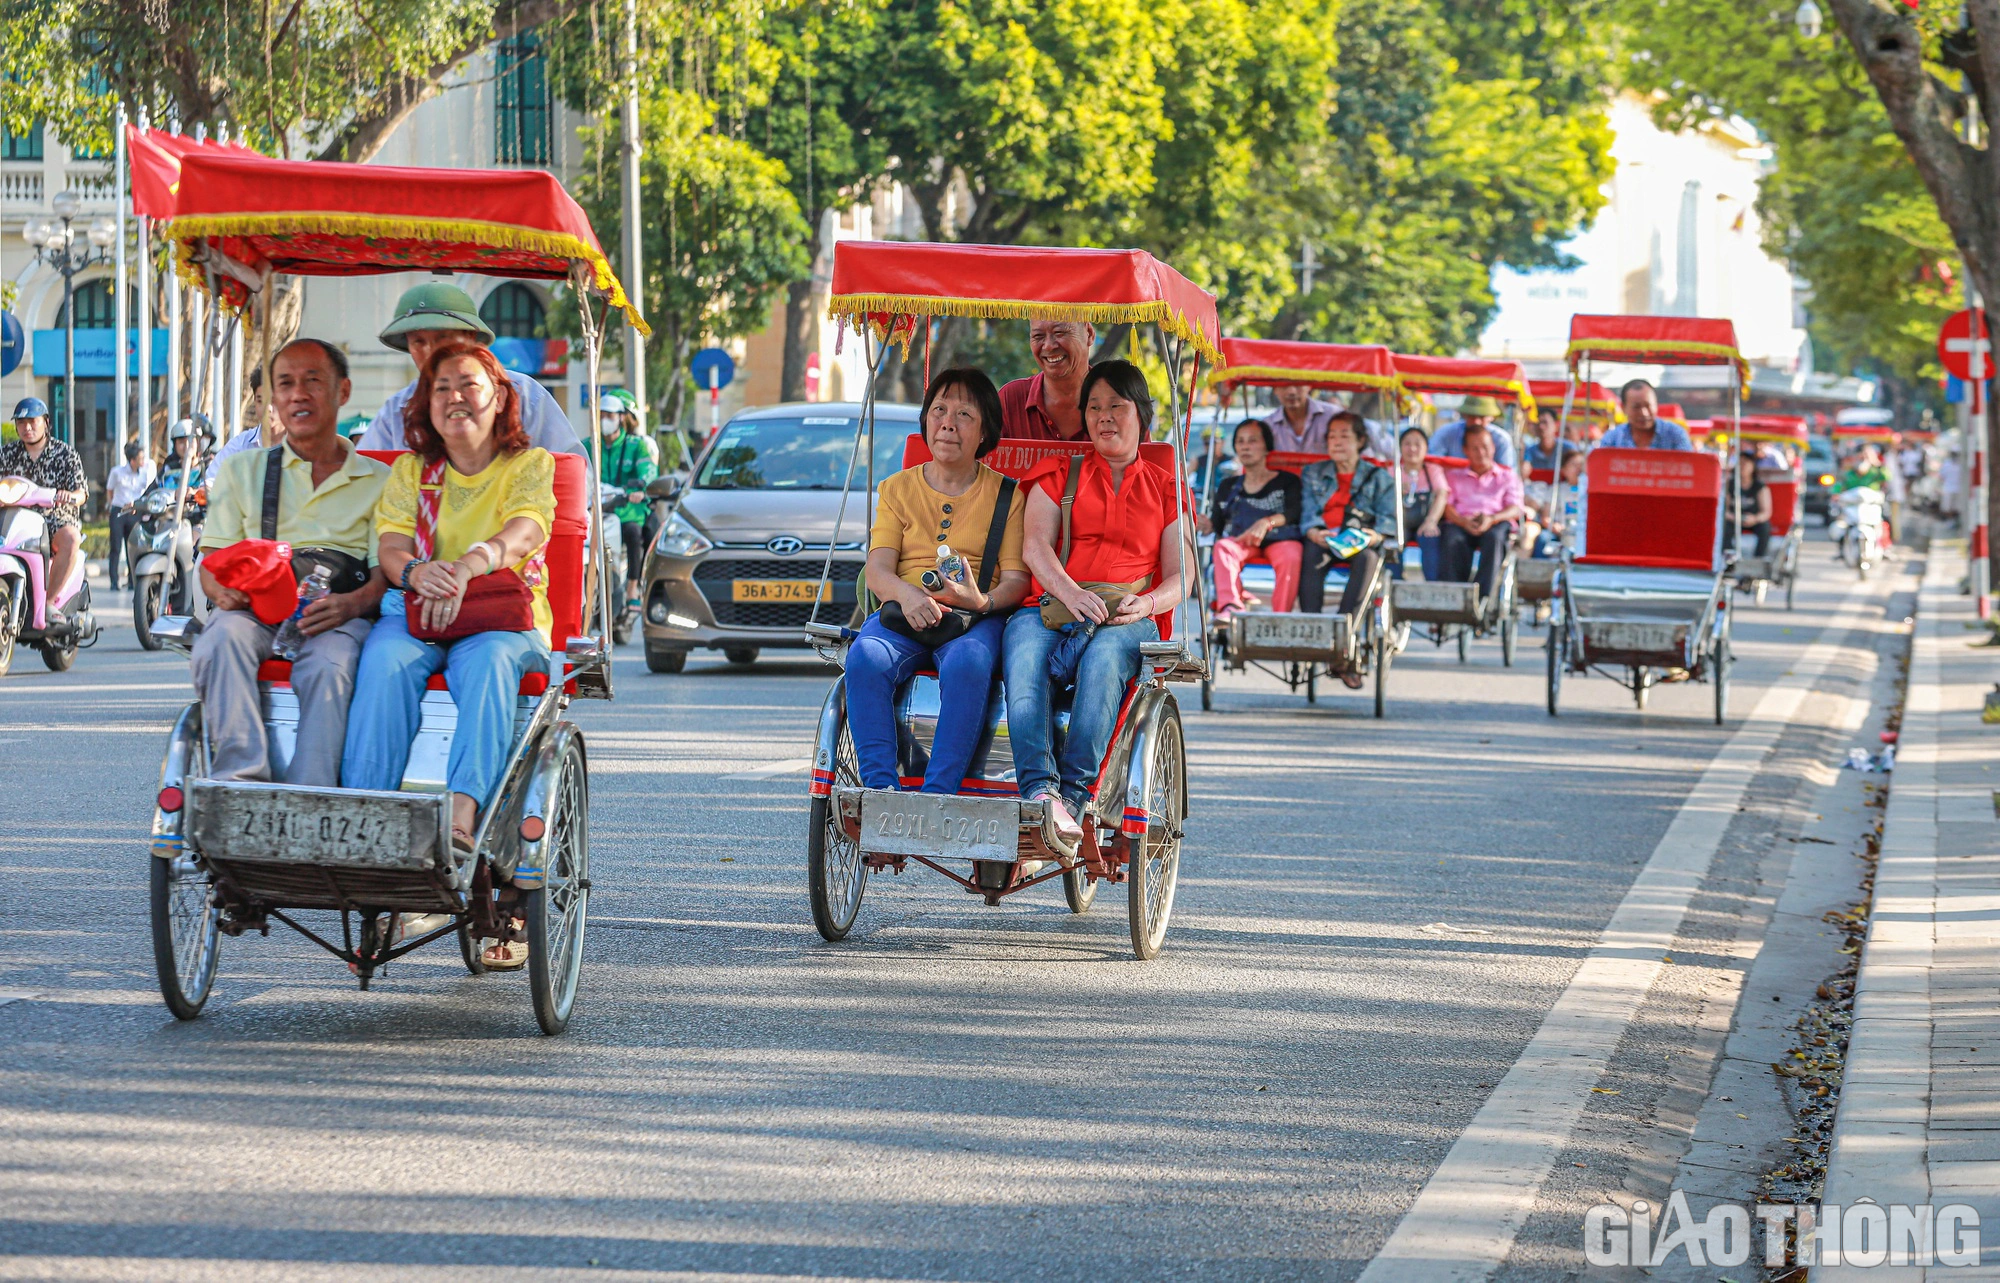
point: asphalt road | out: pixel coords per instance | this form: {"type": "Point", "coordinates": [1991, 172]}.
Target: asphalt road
{"type": "Point", "coordinates": [1374, 919]}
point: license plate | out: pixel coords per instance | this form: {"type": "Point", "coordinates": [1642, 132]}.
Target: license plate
{"type": "Point", "coordinates": [1297, 632]}
{"type": "Point", "coordinates": [283, 824]}
{"type": "Point", "coordinates": [937, 824]}
{"type": "Point", "coordinates": [778, 590]}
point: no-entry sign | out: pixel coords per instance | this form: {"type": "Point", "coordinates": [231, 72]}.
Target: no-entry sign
{"type": "Point", "coordinates": [1958, 344]}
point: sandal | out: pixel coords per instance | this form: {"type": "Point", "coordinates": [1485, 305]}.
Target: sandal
{"type": "Point", "coordinates": [506, 955]}
{"type": "Point", "coordinates": [461, 840]}
{"type": "Point", "coordinates": [1354, 681]}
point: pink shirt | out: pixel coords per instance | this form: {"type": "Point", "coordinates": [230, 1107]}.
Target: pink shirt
{"type": "Point", "coordinates": [1497, 491]}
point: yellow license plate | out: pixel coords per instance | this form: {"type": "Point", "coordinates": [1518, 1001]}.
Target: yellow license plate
{"type": "Point", "coordinates": [778, 590]}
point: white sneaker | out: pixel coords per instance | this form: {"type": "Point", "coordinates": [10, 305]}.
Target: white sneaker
{"type": "Point", "coordinates": [1059, 828]}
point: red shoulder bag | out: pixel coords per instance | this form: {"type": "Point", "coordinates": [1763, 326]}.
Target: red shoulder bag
{"type": "Point", "coordinates": [499, 601]}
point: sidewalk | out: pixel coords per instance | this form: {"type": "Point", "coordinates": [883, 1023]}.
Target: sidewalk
{"type": "Point", "coordinates": [1919, 1117]}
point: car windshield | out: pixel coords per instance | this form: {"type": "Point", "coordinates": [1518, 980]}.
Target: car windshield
{"type": "Point", "coordinates": [805, 453]}
{"type": "Point", "coordinates": [1820, 453]}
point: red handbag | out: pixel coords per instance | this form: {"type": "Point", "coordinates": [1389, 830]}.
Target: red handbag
{"type": "Point", "coordinates": [499, 601]}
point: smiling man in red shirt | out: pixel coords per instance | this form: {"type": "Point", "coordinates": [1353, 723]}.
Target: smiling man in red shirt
{"type": "Point", "coordinates": [1044, 406]}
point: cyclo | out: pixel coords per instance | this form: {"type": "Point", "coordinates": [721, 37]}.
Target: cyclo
{"type": "Point", "coordinates": [985, 838]}
{"type": "Point", "coordinates": [1453, 611]}
{"type": "Point", "coordinates": [1778, 567]}
{"type": "Point", "coordinates": [1647, 588]}
{"type": "Point", "coordinates": [1307, 645]}
{"type": "Point", "coordinates": [232, 857]}
{"type": "Point", "coordinates": [1592, 408]}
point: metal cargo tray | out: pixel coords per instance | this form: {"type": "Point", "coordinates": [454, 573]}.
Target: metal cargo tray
{"type": "Point", "coordinates": [1266, 635]}
{"type": "Point", "coordinates": [1436, 603]}
{"type": "Point", "coordinates": [330, 828]}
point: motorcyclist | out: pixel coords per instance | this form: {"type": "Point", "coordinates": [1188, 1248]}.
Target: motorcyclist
{"type": "Point", "coordinates": [627, 465]}
{"type": "Point", "coordinates": [56, 465]}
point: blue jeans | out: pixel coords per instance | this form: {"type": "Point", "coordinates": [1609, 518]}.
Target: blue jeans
{"type": "Point", "coordinates": [879, 661]}
{"type": "Point", "coordinates": [484, 672]}
{"type": "Point", "coordinates": [1430, 549]}
{"type": "Point", "coordinates": [1109, 662]}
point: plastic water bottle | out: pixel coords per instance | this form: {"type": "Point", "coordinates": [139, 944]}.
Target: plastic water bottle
{"type": "Point", "coordinates": [290, 641]}
{"type": "Point", "coordinates": [950, 564]}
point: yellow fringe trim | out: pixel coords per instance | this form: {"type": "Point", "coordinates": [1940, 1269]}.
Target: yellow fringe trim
{"type": "Point", "coordinates": [1594, 347]}
{"type": "Point", "coordinates": [389, 227]}
{"type": "Point", "coordinates": [1325, 378]}
{"type": "Point", "coordinates": [1504, 389]}
{"type": "Point", "coordinates": [857, 308]}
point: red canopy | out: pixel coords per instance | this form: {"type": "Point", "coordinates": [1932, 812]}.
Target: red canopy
{"type": "Point", "coordinates": [1785, 429]}
{"type": "Point", "coordinates": [327, 218]}
{"type": "Point", "coordinates": [1656, 340]}
{"type": "Point", "coordinates": [879, 281]}
{"type": "Point", "coordinates": [1592, 402]}
{"type": "Point", "coordinates": [1864, 432]}
{"type": "Point", "coordinates": [1343, 367]}
{"type": "Point", "coordinates": [1502, 380]}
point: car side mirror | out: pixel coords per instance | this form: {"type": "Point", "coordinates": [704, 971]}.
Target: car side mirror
{"type": "Point", "coordinates": [664, 488]}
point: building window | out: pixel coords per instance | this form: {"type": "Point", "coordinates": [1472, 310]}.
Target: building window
{"type": "Point", "coordinates": [26, 146]}
{"type": "Point", "coordinates": [93, 306]}
{"type": "Point", "coordinates": [522, 105]}
{"type": "Point", "coordinates": [512, 312]}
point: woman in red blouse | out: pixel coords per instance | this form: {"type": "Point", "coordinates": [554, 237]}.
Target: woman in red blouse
{"type": "Point", "coordinates": [1099, 592]}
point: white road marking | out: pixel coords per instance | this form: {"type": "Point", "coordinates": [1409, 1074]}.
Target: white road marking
{"type": "Point", "coordinates": [1464, 1220]}
{"type": "Point", "coordinates": [789, 766]}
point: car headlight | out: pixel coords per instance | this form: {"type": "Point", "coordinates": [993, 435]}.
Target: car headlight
{"type": "Point", "coordinates": [680, 539]}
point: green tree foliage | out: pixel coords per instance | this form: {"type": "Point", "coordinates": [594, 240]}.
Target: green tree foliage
{"type": "Point", "coordinates": [1843, 203]}
{"type": "Point", "coordinates": [342, 75]}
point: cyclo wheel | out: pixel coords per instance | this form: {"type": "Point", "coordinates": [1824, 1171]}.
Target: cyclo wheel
{"type": "Point", "coordinates": [1153, 873]}
{"type": "Point", "coordinates": [557, 911]}
{"type": "Point", "coordinates": [1719, 660]}
{"type": "Point", "coordinates": [1557, 647]}
{"type": "Point", "coordinates": [836, 875]}
{"type": "Point", "coordinates": [1509, 629]}
{"type": "Point", "coordinates": [468, 949]}
{"type": "Point", "coordinates": [187, 938]}
{"type": "Point", "coordinates": [1078, 889]}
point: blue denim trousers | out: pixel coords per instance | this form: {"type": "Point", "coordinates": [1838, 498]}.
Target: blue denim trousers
{"type": "Point", "coordinates": [1109, 662]}
{"type": "Point", "coordinates": [484, 672]}
{"type": "Point", "coordinates": [881, 660]}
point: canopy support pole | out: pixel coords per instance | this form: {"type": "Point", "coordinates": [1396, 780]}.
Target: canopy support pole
{"type": "Point", "coordinates": [824, 591]}
{"type": "Point", "coordinates": [121, 310]}
{"type": "Point", "coordinates": [595, 593]}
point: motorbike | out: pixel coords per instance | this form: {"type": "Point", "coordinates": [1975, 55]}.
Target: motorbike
{"type": "Point", "coordinates": [162, 553]}
{"type": "Point", "coordinates": [626, 613]}
{"type": "Point", "coordinates": [26, 597]}
{"type": "Point", "coordinates": [1858, 529]}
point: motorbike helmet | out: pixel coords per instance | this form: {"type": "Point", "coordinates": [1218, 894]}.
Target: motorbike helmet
{"type": "Point", "coordinates": [196, 427]}
{"type": "Point", "coordinates": [30, 407]}
{"type": "Point", "coordinates": [434, 305]}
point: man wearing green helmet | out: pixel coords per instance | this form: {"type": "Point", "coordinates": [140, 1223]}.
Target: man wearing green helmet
{"type": "Point", "coordinates": [437, 313]}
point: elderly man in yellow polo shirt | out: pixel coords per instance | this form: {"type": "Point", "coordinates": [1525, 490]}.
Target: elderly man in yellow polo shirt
{"type": "Point", "coordinates": [318, 494]}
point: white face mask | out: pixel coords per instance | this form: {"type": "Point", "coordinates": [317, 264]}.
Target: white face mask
{"type": "Point", "coordinates": [609, 422]}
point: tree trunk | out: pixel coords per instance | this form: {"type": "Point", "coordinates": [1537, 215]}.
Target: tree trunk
{"type": "Point", "coordinates": [1111, 343]}
{"type": "Point", "coordinates": [800, 330]}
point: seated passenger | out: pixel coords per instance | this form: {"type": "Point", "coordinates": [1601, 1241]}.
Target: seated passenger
{"type": "Point", "coordinates": [1099, 583]}
{"type": "Point", "coordinates": [463, 522]}
{"type": "Point", "coordinates": [1255, 510]}
{"type": "Point", "coordinates": [1476, 412]}
{"type": "Point", "coordinates": [1424, 494]}
{"type": "Point", "coordinates": [1479, 517]}
{"type": "Point", "coordinates": [949, 502]}
{"type": "Point", "coordinates": [1756, 501]}
{"type": "Point", "coordinates": [1558, 505]}
{"type": "Point", "coordinates": [326, 493]}
{"type": "Point", "coordinates": [1344, 491]}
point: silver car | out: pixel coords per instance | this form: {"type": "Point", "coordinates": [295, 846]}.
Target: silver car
{"type": "Point", "coordinates": [737, 563]}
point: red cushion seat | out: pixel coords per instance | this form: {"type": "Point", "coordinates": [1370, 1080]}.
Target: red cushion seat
{"type": "Point", "coordinates": [279, 673]}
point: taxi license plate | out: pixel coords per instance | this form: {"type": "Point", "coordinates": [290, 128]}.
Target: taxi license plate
{"type": "Point", "coordinates": [940, 825]}
{"type": "Point", "coordinates": [778, 590]}
{"type": "Point", "coordinates": [1293, 632]}
{"type": "Point", "coordinates": [284, 824]}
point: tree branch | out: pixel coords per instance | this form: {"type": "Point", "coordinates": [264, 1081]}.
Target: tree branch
{"type": "Point", "coordinates": [392, 104]}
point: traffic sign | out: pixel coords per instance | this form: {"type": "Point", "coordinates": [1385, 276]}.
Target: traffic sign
{"type": "Point", "coordinates": [13, 343]}
{"type": "Point", "coordinates": [712, 368]}
{"type": "Point", "coordinates": [1958, 345]}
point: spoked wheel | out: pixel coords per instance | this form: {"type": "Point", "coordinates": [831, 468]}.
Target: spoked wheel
{"type": "Point", "coordinates": [1155, 868]}
{"type": "Point", "coordinates": [1312, 683]}
{"type": "Point", "coordinates": [1385, 650]}
{"type": "Point", "coordinates": [1558, 653]}
{"type": "Point", "coordinates": [1719, 675]}
{"type": "Point", "coordinates": [1078, 889]}
{"type": "Point", "coordinates": [186, 935]}
{"type": "Point", "coordinates": [836, 875]}
{"type": "Point", "coordinates": [1510, 626]}
{"type": "Point", "coordinates": [1207, 693]}
{"type": "Point", "coordinates": [468, 949]}
{"type": "Point", "coordinates": [146, 608]}
{"type": "Point", "coordinates": [1641, 688]}
{"type": "Point", "coordinates": [1464, 644]}
{"type": "Point", "coordinates": [557, 910]}
{"type": "Point", "coordinates": [1790, 581]}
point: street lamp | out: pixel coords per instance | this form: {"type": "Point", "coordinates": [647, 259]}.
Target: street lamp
{"type": "Point", "coordinates": [1809, 19]}
{"type": "Point", "coordinates": [51, 239]}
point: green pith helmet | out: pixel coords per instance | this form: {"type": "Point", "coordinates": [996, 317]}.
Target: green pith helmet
{"type": "Point", "coordinates": [618, 401]}
{"type": "Point", "coordinates": [434, 305]}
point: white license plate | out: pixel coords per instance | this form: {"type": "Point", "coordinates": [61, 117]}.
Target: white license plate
{"type": "Point", "coordinates": [280, 824]}
{"type": "Point", "coordinates": [940, 825]}
{"type": "Point", "coordinates": [1291, 632]}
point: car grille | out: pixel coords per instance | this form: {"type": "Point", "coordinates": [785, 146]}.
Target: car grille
{"type": "Point", "coordinates": [770, 614]}
{"type": "Point", "coordinates": [844, 572]}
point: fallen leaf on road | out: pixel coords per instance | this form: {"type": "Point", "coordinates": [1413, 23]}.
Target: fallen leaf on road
{"type": "Point", "coordinates": [1606, 1091]}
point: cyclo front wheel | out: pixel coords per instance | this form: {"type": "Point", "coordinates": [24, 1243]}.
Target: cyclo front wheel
{"type": "Point", "coordinates": [1153, 872]}
{"type": "Point", "coordinates": [557, 911]}
{"type": "Point", "coordinates": [836, 875]}
{"type": "Point", "coordinates": [187, 938]}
